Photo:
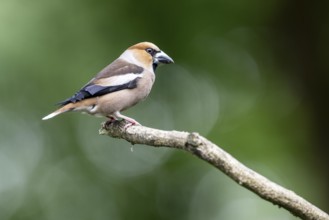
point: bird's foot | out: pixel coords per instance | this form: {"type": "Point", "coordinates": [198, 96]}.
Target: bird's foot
{"type": "Point", "coordinates": [130, 123]}
{"type": "Point", "coordinates": [125, 123]}
{"type": "Point", "coordinates": [109, 122]}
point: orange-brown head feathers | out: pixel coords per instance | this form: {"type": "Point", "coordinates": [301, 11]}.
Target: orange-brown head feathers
{"type": "Point", "coordinates": [146, 54]}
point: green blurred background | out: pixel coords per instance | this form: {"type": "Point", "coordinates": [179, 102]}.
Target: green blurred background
{"type": "Point", "coordinates": [251, 76]}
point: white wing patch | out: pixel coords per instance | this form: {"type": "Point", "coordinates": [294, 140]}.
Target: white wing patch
{"type": "Point", "coordinates": [119, 79]}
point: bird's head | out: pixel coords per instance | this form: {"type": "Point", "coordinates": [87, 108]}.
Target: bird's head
{"type": "Point", "coordinates": [147, 55]}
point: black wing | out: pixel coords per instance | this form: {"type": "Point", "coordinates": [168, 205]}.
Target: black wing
{"type": "Point", "coordinates": [90, 91]}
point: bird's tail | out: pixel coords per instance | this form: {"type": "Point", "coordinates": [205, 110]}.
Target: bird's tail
{"type": "Point", "coordinates": [66, 108]}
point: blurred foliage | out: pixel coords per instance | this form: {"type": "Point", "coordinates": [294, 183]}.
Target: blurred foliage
{"type": "Point", "coordinates": [252, 76]}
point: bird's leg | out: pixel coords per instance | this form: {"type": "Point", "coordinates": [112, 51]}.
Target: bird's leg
{"type": "Point", "coordinates": [110, 121]}
{"type": "Point", "coordinates": [130, 120]}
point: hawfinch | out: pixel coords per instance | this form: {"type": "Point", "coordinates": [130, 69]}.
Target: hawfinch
{"type": "Point", "coordinates": [119, 86]}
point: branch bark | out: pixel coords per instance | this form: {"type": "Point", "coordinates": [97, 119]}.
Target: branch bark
{"type": "Point", "coordinates": [214, 155]}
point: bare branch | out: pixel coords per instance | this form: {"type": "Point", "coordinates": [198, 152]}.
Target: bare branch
{"type": "Point", "coordinates": [208, 151]}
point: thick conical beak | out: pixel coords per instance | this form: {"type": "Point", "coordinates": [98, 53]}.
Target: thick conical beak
{"type": "Point", "coordinates": [162, 57]}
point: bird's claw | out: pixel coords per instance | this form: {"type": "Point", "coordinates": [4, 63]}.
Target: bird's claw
{"type": "Point", "coordinates": [130, 123]}
{"type": "Point", "coordinates": [110, 122]}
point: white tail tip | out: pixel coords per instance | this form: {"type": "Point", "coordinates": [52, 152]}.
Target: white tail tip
{"type": "Point", "coordinates": [50, 116]}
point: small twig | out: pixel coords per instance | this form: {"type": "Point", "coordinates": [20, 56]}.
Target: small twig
{"type": "Point", "coordinates": [208, 151]}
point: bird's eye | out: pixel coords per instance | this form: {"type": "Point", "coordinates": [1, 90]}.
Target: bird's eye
{"type": "Point", "coordinates": [150, 51]}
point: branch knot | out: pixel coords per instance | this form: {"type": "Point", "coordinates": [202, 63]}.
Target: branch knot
{"type": "Point", "coordinates": [193, 139]}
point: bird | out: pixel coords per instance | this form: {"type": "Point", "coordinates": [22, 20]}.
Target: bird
{"type": "Point", "coordinates": [120, 85]}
